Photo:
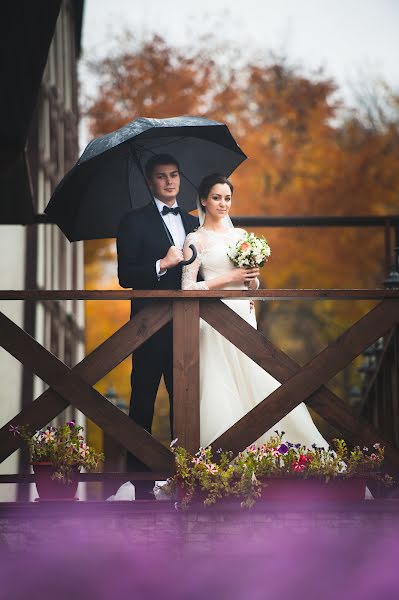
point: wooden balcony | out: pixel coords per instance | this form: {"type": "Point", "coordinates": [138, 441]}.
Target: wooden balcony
{"type": "Point", "coordinates": [299, 384]}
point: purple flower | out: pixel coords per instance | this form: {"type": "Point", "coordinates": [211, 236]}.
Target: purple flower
{"type": "Point", "coordinates": [71, 424]}
{"type": "Point", "coordinates": [297, 445]}
{"type": "Point", "coordinates": [14, 430]}
{"type": "Point", "coordinates": [283, 449]}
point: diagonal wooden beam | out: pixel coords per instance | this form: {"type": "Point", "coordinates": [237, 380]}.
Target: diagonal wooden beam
{"type": "Point", "coordinates": [71, 386]}
{"type": "Point", "coordinates": [282, 367]}
{"type": "Point", "coordinates": [92, 368]}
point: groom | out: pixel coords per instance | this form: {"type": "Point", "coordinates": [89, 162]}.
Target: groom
{"type": "Point", "coordinates": [149, 244]}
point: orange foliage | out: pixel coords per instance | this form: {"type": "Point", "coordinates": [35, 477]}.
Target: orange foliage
{"type": "Point", "coordinates": [302, 161]}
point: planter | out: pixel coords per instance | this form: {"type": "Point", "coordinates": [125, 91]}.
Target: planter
{"type": "Point", "coordinates": [200, 496]}
{"type": "Point", "coordinates": [291, 489]}
{"type": "Point", "coordinates": [295, 490]}
{"type": "Point", "coordinates": [53, 489]}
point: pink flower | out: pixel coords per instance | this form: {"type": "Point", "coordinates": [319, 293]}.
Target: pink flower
{"type": "Point", "coordinates": [212, 469]}
{"type": "Point", "coordinates": [252, 448]}
{"type": "Point", "coordinates": [83, 450]}
{"type": "Point", "coordinates": [196, 461]}
{"type": "Point", "coordinates": [373, 456]}
{"type": "Point", "coordinates": [14, 430]}
{"type": "Point", "coordinates": [297, 466]}
{"type": "Point", "coordinates": [244, 246]}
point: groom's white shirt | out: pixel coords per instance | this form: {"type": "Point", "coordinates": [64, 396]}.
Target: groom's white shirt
{"type": "Point", "coordinates": [175, 225]}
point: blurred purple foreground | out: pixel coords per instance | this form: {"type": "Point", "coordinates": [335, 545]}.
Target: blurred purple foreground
{"type": "Point", "coordinates": [84, 561]}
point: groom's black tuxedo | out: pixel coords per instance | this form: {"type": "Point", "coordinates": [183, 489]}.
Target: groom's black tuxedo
{"type": "Point", "coordinates": [142, 240]}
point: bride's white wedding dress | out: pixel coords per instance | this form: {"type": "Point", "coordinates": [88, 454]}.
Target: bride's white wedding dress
{"type": "Point", "coordinates": [231, 384]}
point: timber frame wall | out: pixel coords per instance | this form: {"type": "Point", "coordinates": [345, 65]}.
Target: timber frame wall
{"type": "Point", "coordinates": [50, 261]}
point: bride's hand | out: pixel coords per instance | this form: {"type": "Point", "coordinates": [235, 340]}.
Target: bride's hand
{"type": "Point", "coordinates": [243, 275]}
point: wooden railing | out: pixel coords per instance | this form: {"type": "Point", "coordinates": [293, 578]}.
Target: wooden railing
{"type": "Point", "coordinates": [299, 384]}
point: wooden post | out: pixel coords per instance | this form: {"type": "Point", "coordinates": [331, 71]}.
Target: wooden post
{"type": "Point", "coordinates": [186, 414]}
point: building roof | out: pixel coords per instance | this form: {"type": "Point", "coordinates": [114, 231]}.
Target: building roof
{"type": "Point", "coordinates": [26, 31]}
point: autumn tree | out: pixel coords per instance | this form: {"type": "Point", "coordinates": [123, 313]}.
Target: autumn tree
{"type": "Point", "coordinates": [307, 156]}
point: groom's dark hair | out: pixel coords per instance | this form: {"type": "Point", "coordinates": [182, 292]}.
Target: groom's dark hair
{"type": "Point", "coordinates": [159, 159]}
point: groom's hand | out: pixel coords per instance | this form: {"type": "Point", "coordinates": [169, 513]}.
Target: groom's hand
{"type": "Point", "coordinates": [172, 258]}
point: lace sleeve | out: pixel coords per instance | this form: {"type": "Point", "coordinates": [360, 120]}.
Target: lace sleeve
{"type": "Point", "coordinates": [190, 272]}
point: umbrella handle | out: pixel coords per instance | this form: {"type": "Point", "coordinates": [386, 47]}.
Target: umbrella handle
{"type": "Point", "coordinates": [192, 259]}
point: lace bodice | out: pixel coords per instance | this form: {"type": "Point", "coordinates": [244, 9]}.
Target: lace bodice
{"type": "Point", "coordinates": [212, 259]}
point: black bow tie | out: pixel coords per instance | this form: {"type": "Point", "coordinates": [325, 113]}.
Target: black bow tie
{"type": "Point", "coordinates": [166, 210]}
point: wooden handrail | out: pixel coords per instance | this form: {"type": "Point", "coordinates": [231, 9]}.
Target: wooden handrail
{"type": "Point", "coordinates": [269, 294]}
{"type": "Point", "coordinates": [89, 477]}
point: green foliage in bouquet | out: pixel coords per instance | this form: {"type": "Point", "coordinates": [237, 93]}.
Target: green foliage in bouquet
{"type": "Point", "coordinates": [64, 447]}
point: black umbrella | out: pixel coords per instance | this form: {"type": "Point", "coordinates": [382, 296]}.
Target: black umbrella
{"type": "Point", "coordinates": [108, 179]}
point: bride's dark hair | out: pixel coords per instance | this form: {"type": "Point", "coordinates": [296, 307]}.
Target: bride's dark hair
{"type": "Point", "coordinates": [209, 181]}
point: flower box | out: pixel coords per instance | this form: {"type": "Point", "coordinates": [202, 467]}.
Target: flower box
{"type": "Point", "coordinates": [49, 488]}
{"type": "Point", "coordinates": [278, 471]}
{"type": "Point", "coordinates": [293, 489]}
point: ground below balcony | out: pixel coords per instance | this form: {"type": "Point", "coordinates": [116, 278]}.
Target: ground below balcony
{"type": "Point", "coordinates": [25, 526]}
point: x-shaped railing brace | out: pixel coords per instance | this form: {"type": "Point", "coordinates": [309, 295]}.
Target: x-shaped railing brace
{"type": "Point", "coordinates": [74, 386]}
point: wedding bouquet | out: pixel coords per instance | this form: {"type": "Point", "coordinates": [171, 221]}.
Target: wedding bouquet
{"type": "Point", "coordinates": [249, 251]}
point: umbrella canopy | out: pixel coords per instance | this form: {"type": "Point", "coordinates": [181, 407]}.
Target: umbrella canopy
{"type": "Point", "coordinates": [108, 179]}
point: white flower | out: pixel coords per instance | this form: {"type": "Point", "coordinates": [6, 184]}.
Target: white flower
{"type": "Point", "coordinates": [48, 436]}
{"type": "Point", "coordinates": [255, 252]}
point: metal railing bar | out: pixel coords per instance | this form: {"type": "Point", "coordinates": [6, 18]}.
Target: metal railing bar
{"type": "Point", "coordinates": [264, 294]}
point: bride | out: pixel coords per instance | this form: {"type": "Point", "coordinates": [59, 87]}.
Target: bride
{"type": "Point", "coordinates": [231, 384]}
